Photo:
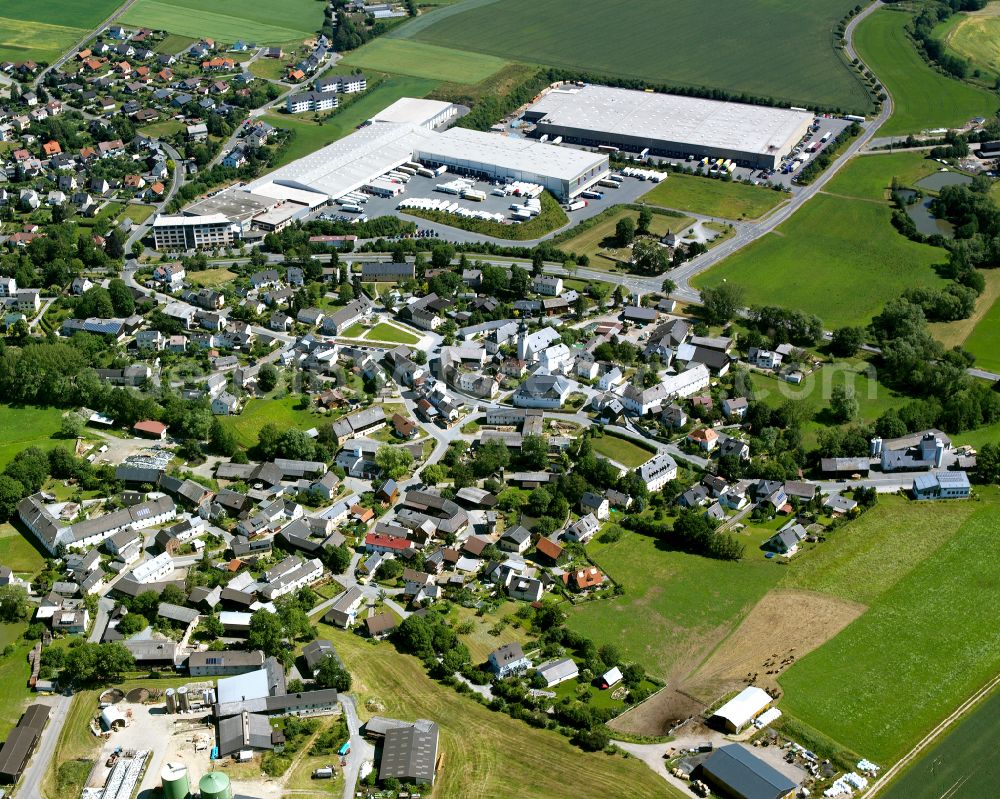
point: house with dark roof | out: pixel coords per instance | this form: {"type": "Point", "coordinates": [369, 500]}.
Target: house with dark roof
{"type": "Point", "coordinates": [409, 754]}
{"type": "Point", "coordinates": [735, 771]}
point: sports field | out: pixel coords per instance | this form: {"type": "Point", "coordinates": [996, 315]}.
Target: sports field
{"type": "Point", "coordinates": [777, 48]}
{"type": "Point", "coordinates": [43, 31]}
{"type": "Point", "coordinates": [923, 97]}
{"type": "Point", "coordinates": [421, 60]}
{"type": "Point", "coordinates": [927, 641]}
{"type": "Point", "coordinates": [255, 21]}
{"type": "Point", "coordinates": [311, 135]}
{"type": "Point", "coordinates": [837, 258]}
{"type": "Point", "coordinates": [710, 197]}
{"type": "Point", "coordinates": [485, 753]}
{"type": "Point", "coordinates": [962, 765]}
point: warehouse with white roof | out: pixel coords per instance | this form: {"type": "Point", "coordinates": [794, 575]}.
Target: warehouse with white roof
{"type": "Point", "coordinates": [669, 125]}
{"type": "Point", "coordinates": [414, 111]}
{"type": "Point", "coordinates": [743, 708]}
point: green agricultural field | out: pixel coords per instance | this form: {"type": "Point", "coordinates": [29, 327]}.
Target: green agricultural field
{"type": "Point", "coordinates": [420, 60]}
{"type": "Point", "coordinates": [26, 427]}
{"type": "Point", "coordinates": [870, 177]}
{"type": "Point", "coordinates": [486, 753]}
{"type": "Point", "coordinates": [174, 43]}
{"type": "Point", "coordinates": [923, 97]}
{"type": "Point", "coordinates": [211, 278]}
{"type": "Point", "coordinates": [711, 197]}
{"type": "Point", "coordinates": [284, 413]}
{"type": "Point", "coordinates": [43, 31]}
{"type": "Point", "coordinates": [974, 37]}
{"type": "Point", "coordinates": [589, 242]}
{"type": "Point", "coordinates": [839, 259]}
{"type": "Point", "coordinates": [17, 553]}
{"type": "Point", "coordinates": [626, 451]}
{"type": "Point", "coordinates": [925, 644]}
{"type": "Point", "coordinates": [392, 334]}
{"type": "Point", "coordinates": [311, 135]}
{"type": "Point", "coordinates": [228, 20]}
{"type": "Point", "coordinates": [984, 342]}
{"type": "Point", "coordinates": [779, 48]}
{"type": "Point", "coordinates": [962, 765]}
{"type": "Point", "coordinates": [676, 607]}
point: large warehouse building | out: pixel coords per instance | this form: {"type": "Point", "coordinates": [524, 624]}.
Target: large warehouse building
{"type": "Point", "coordinates": [669, 125]}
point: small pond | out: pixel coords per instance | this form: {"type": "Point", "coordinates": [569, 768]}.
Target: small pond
{"type": "Point", "coordinates": [939, 180]}
{"type": "Point", "coordinates": [920, 213]}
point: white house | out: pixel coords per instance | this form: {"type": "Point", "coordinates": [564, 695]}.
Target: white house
{"type": "Point", "coordinates": [154, 570]}
{"type": "Point", "coordinates": [658, 471]}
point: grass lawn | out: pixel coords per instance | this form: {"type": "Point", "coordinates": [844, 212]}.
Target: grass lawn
{"type": "Point", "coordinates": [420, 60]}
{"type": "Point", "coordinates": [873, 398]}
{"type": "Point", "coordinates": [711, 197]}
{"type": "Point", "coordinates": [17, 553]}
{"type": "Point", "coordinates": [29, 30]}
{"type": "Point", "coordinates": [311, 135]}
{"type": "Point", "coordinates": [984, 341]}
{"type": "Point", "coordinates": [926, 643]}
{"type": "Point", "coordinates": [28, 426]}
{"type": "Point", "coordinates": [839, 259]}
{"type": "Point", "coordinates": [974, 37]}
{"type": "Point", "coordinates": [589, 242]}
{"type": "Point", "coordinates": [229, 20]}
{"type": "Point", "coordinates": [392, 334]}
{"type": "Point", "coordinates": [486, 754]}
{"type": "Point", "coordinates": [628, 452]}
{"type": "Point", "coordinates": [211, 277]}
{"type": "Point", "coordinates": [870, 177]}
{"type": "Point", "coordinates": [284, 413]}
{"type": "Point", "coordinates": [676, 606]}
{"type": "Point", "coordinates": [357, 330]}
{"type": "Point", "coordinates": [481, 641]}
{"type": "Point", "coordinates": [783, 48]}
{"type": "Point", "coordinates": [923, 97]}
{"type": "Point", "coordinates": [962, 765]}
{"type": "Point", "coordinates": [138, 213]}
{"type": "Point", "coordinates": [174, 43]}
{"type": "Point", "coordinates": [164, 129]}
{"type": "Point", "coordinates": [14, 674]}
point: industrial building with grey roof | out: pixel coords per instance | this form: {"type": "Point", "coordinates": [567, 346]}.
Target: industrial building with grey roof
{"type": "Point", "coordinates": [669, 124]}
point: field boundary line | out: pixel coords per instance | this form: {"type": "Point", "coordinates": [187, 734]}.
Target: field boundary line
{"type": "Point", "coordinates": [882, 782]}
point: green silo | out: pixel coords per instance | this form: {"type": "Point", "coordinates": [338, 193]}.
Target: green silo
{"type": "Point", "coordinates": [215, 785]}
{"type": "Point", "coordinates": [174, 779]}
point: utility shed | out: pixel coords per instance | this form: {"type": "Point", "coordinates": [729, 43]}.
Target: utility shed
{"type": "Point", "coordinates": [734, 771]}
{"type": "Point", "coordinates": [742, 709]}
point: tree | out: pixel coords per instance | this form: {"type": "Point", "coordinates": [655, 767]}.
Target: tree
{"type": "Point", "coordinates": [722, 303]}
{"type": "Point", "coordinates": [14, 604]}
{"type": "Point", "coordinates": [338, 559]}
{"type": "Point", "coordinates": [534, 452]}
{"type": "Point", "coordinates": [539, 501]}
{"type": "Point", "coordinates": [172, 595]}
{"type": "Point", "coordinates": [988, 463]}
{"type": "Point", "coordinates": [267, 378]}
{"type": "Point", "coordinates": [11, 492]}
{"type": "Point", "coordinates": [132, 623]}
{"type": "Point", "coordinates": [393, 461]}
{"type": "Point", "coordinates": [846, 341]}
{"type": "Point", "coordinates": [331, 674]}
{"type": "Point", "coordinates": [649, 257]}
{"type": "Point", "coordinates": [221, 440]}
{"type": "Point", "coordinates": [267, 441]}
{"type": "Point", "coordinates": [266, 633]}
{"type": "Point", "coordinates": [624, 231]}
{"type": "Point", "coordinates": [668, 286]}
{"type": "Point", "coordinates": [645, 219]}
{"type": "Point", "coordinates": [843, 403]}
{"type": "Point", "coordinates": [113, 660]}
{"type": "Point", "coordinates": [490, 458]}
{"type": "Point", "coordinates": [121, 297]}
{"type": "Point", "coordinates": [71, 425]}
{"type": "Point", "coordinates": [212, 626]}
{"type": "Point", "coordinates": [95, 301]}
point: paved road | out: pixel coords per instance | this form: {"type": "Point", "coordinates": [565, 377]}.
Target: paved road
{"type": "Point", "coordinates": [361, 750]}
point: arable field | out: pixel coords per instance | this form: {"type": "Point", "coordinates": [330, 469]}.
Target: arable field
{"type": "Point", "coordinates": [627, 452]}
{"type": "Point", "coordinates": [420, 60]}
{"type": "Point", "coordinates": [676, 607]}
{"type": "Point", "coordinates": [485, 753]}
{"type": "Point", "coordinates": [923, 98]}
{"type": "Point", "coordinates": [590, 241]}
{"type": "Point", "coordinates": [25, 427]}
{"type": "Point", "coordinates": [311, 135]}
{"type": "Point", "coordinates": [975, 37]}
{"type": "Point", "coordinates": [42, 31]}
{"type": "Point", "coordinates": [228, 20]}
{"type": "Point", "coordinates": [711, 197]}
{"type": "Point", "coordinates": [961, 331]}
{"type": "Point", "coordinates": [926, 643]}
{"type": "Point", "coordinates": [984, 341]}
{"type": "Point", "coordinates": [962, 765]}
{"type": "Point", "coordinates": [839, 259]}
{"type": "Point", "coordinates": [870, 177]}
{"type": "Point", "coordinates": [780, 48]}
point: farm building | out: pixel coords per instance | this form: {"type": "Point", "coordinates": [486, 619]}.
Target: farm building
{"type": "Point", "coordinates": [735, 771]}
{"type": "Point", "coordinates": [669, 125]}
{"type": "Point", "coordinates": [742, 709]}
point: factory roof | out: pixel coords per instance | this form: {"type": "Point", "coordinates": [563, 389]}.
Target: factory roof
{"type": "Point", "coordinates": [515, 155]}
{"type": "Point", "coordinates": [411, 111]}
{"type": "Point", "coordinates": [162, 220]}
{"type": "Point", "coordinates": [670, 117]}
{"type": "Point", "coordinates": [233, 204]}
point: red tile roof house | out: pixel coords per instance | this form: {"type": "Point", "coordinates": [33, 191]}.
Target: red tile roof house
{"type": "Point", "coordinates": [584, 579]}
{"type": "Point", "coordinates": [706, 438]}
{"type": "Point", "coordinates": [150, 429]}
{"type": "Point", "coordinates": [386, 543]}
